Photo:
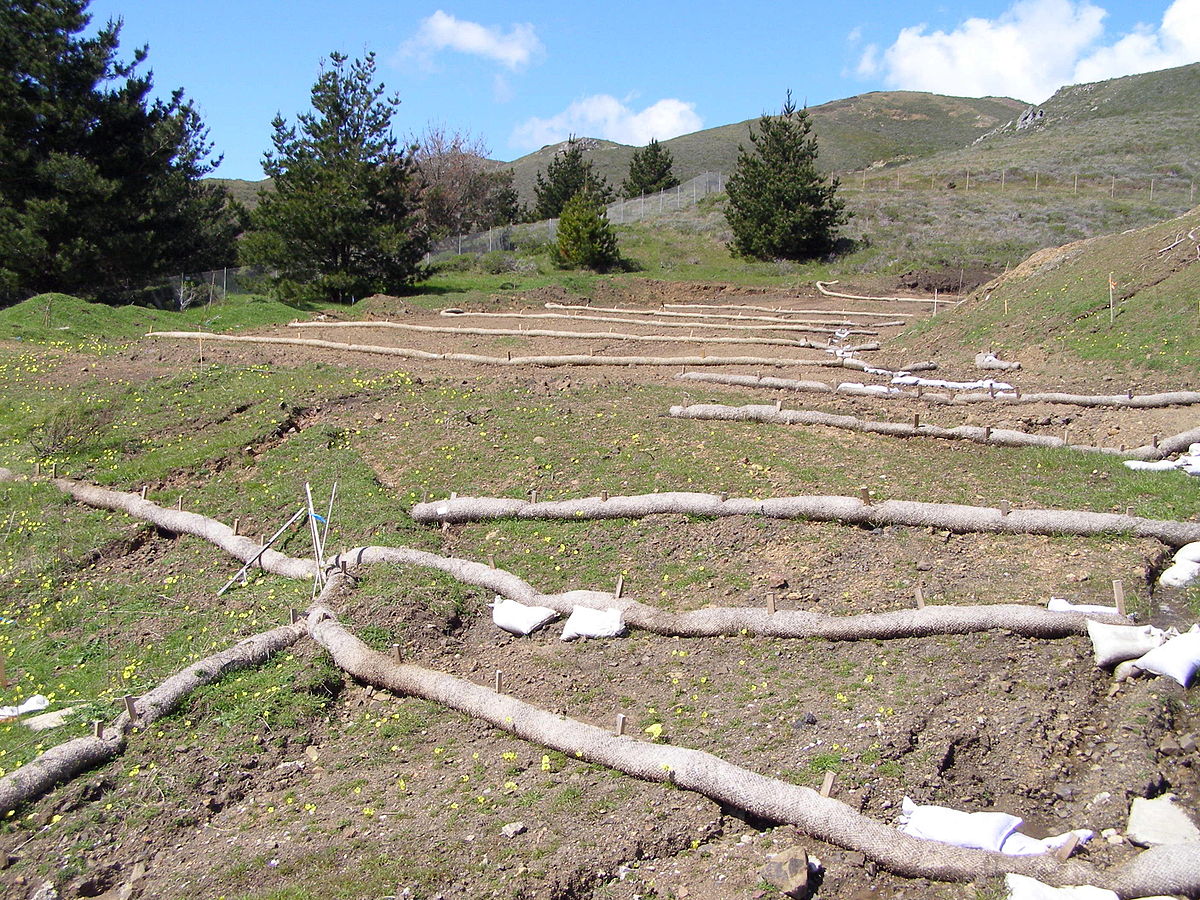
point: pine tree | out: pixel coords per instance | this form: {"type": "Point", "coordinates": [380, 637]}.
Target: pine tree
{"type": "Point", "coordinates": [341, 221]}
{"type": "Point", "coordinates": [567, 174]}
{"type": "Point", "coordinates": [650, 170]}
{"type": "Point", "coordinates": [99, 185]}
{"type": "Point", "coordinates": [780, 207]}
{"type": "Point", "coordinates": [585, 237]}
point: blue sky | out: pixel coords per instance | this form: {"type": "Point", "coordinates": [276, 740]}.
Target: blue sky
{"type": "Point", "coordinates": [519, 75]}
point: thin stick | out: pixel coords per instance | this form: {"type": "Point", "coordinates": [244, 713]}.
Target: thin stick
{"type": "Point", "coordinates": [1119, 595]}
{"type": "Point", "coordinates": [827, 784]}
{"type": "Point", "coordinates": [130, 708]}
{"type": "Point", "coordinates": [920, 597]}
{"type": "Point", "coordinates": [266, 544]}
{"type": "Point", "coordinates": [620, 587]}
{"type": "Point", "coordinates": [499, 682]}
{"type": "Point", "coordinates": [620, 724]}
{"type": "Point", "coordinates": [316, 539]}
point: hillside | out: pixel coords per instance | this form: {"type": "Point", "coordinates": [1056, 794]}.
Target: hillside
{"type": "Point", "coordinates": [1054, 307]}
{"type": "Point", "coordinates": [1133, 126]}
{"type": "Point", "coordinates": [868, 129]}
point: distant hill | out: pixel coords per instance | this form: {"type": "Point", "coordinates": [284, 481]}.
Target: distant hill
{"type": "Point", "coordinates": [244, 192]}
{"type": "Point", "coordinates": [875, 128]}
{"type": "Point", "coordinates": [1133, 126]}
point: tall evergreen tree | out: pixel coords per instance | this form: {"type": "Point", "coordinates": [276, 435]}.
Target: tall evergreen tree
{"type": "Point", "coordinates": [341, 221]}
{"type": "Point", "coordinates": [567, 174]}
{"type": "Point", "coordinates": [780, 207]}
{"type": "Point", "coordinates": [650, 170]}
{"type": "Point", "coordinates": [585, 237]}
{"type": "Point", "coordinates": [99, 184]}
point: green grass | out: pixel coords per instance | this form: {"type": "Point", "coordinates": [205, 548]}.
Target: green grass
{"type": "Point", "coordinates": [60, 320]}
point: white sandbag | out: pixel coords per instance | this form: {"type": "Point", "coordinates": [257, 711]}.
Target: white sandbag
{"type": "Point", "coordinates": [1188, 553]}
{"type": "Point", "coordinates": [1017, 844]}
{"type": "Point", "coordinates": [1158, 465]}
{"type": "Point", "coordinates": [1022, 887]}
{"type": "Point", "coordinates": [1058, 604]}
{"type": "Point", "coordinates": [1180, 574]}
{"type": "Point", "coordinates": [1112, 644]}
{"type": "Point", "coordinates": [32, 704]}
{"type": "Point", "coordinates": [978, 831]}
{"type": "Point", "coordinates": [593, 623]}
{"type": "Point", "coordinates": [1178, 658]}
{"type": "Point", "coordinates": [517, 618]}
{"type": "Point", "coordinates": [990, 360]}
{"type": "Point", "coordinates": [1160, 821]}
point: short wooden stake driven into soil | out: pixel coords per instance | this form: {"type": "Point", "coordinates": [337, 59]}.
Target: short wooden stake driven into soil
{"type": "Point", "coordinates": [827, 784]}
{"type": "Point", "coordinates": [533, 496]}
{"type": "Point", "coordinates": [1005, 508]}
{"type": "Point", "coordinates": [179, 502]}
{"type": "Point", "coordinates": [491, 560]}
{"type": "Point", "coordinates": [294, 616]}
{"type": "Point", "coordinates": [865, 495]}
{"type": "Point", "coordinates": [919, 594]}
{"type": "Point", "coordinates": [98, 729]}
{"type": "Point", "coordinates": [499, 682]}
{"type": "Point", "coordinates": [1119, 595]}
{"type": "Point", "coordinates": [778, 406]}
{"type": "Point", "coordinates": [396, 653]}
{"type": "Point", "coordinates": [620, 724]}
{"type": "Point", "coordinates": [1064, 852]}
{"type": "Point", "coordinates": [604, 496]}
{"type": "Point", "coordinates": [237, 526]}
{"type": "Point", "coordinates": [987, 433]}
{"type": "Point", "coordinates": [724, 496]}
{"type": "Point", "coordinates": [620, 587]}
{"type": "Point", "coordinates": [770, 605]}
{"type": "Point", "coordinates": [916, 420]}
{"type": "Point", "coordinates": [131, 708]}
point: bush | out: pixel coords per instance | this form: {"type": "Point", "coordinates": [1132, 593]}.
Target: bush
{"type": "Point", "coordinates": [585, 237]}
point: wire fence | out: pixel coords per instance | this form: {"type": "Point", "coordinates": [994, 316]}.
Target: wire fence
{"type": "Point", "coordinates": [1164, 188]}
{"type": "Point", "coordinates": [179, 292]}
{"type": "Point", "coordinates": [620, 212]}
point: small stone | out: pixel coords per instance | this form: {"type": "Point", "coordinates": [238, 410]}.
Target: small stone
{"type": "Point", "coordinates": [1168, 746]}
{"type": "Point", "coordinates": [787, 871]}
{"type": "Point", "coordinates": [1187, 744]}
{"type": "Point", "coordinates": [1160, 821]}
{"type": "Point", "coordinates": [1064, 791]}
{"type": "Point", "coordinates": [512, 829]}
{"type": "Point", "coordinates": [777, 580]}
{"type": "Point", "coordinates": [924, 566]}
{"type": "Point", "coordinates": [856, 859]}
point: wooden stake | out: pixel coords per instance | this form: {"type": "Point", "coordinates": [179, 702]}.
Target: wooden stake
{"type": "Point", "coordinates": [865, 495]}
{"type": "Point", "coordinates": [499, 682]}
{"type": "Point", "coordinates": [1064, 852]}
{"type": "Point", "coordinates": [827, 784]}
{"type": "Point", "coordinates": [295, 615]}
{"type": "Point", "coordinates": [620, 587]}
{"type": "Point", "coordinates": [724, 496]}
{"type": "Point", "coordinates": [771, 605]}
{"type": "Point", "coordinates": [37, 470]}
{"type": "Point", "coordinates": [533, 496]}
{"type": "Point", "coordinates": [919, 595]}
{"type": "Point", "coordinates": [1154, 441]}
{"type": "Point", "coordinates": [1129, 511]}
{"type": "Point", "coordinates": [1119, 595]}
{"type": "Point", "coordinates": [130, 708]}
{"type": "Point", "coordinates": [98, 728]}
{"type": "Point", "coordinates": [237, 527]}
{"type": "Point", "coordinates": [604, 496]}
{"type": "Point", "coordinates": [491, 560]}
{"type": "Point", "coordinates": [987, 434]}
{"type": "Point", "coordinates": [396, 657]}
{"type": "Point", "coordinates": [620, 724]}
{"type": "Point", "coordinates": [179, 502]}
{"type": "Point", "coordinates": [1005, 508]}
{"type": "Point", "coordinates": [916, 421]}
{"type": "Point", "coordinates": [778, 406]}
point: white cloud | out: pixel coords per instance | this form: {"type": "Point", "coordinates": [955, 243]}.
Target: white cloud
{"type": "Point", "coordinates": [1176, 42]}
{"type": "Point", "coordinates": [604, 116]}
{"type": "Point", "coordinates": [442, 31]}
{"type": "Point", "coordinates": [1031, 50]}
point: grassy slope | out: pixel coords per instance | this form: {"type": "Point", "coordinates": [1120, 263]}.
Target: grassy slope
{"type": "Point", "coordinates": [1057, 302]}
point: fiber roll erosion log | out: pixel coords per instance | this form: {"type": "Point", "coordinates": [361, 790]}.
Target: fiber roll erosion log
{"type": "Point", "coordinates": [821, 817]}
{"type": "Point", "coordinates": [65, 761]}
{"type": "Point", "coordinates": [712, 621]}
{"type": "Point", "coordinates": [850, 510]}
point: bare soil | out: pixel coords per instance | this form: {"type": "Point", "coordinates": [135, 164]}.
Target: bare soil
{"type": "Point", "coordinates": [980, 722]}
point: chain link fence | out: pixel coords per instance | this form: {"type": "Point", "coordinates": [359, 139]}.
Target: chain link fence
{"type": "Point", "coordinates": [620, 212]}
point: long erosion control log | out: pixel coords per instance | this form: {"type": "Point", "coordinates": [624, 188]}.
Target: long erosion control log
{"type": "Point", "coordinates": [849, 510]}
{"type": "Point", "coordinates": [890, 392]}
{"type": "Point", "coordinates": [823, 818]}
{"type": "Point", "coordinates": [995, 437]}
{"type": "Point", "coordinates": [547, 361]}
